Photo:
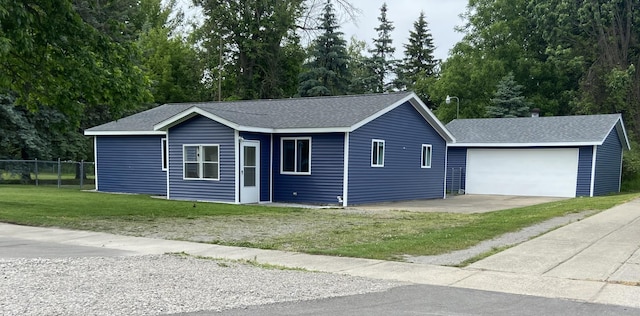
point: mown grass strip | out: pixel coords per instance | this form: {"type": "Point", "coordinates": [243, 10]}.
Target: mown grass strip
{"type": "Point", "coordinates": [386, 235]}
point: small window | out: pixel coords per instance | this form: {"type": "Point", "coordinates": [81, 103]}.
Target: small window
{"type": "Point", "coordinates": [426, 156]}
{"type": "Point", "coordinates": [165, 154]}
{"type": "Point", "coordinates": [296, 155]}
{"type": "Point", "coordinates": [377, 153]}
{"type": "Point", "coordinates": [201, 162]}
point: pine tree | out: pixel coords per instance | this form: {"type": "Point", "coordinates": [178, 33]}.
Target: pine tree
{"type": "Point", "coordinates": [508, 100]}
{"type": "Point", "coordinates": [381, 61]}
{"type": "Point", "coordinates": [419, 60]}
{"type": "Point", "coordinates": [326, 71]}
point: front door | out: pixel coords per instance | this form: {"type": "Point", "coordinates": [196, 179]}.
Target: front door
{"type": "Point", "coordinates": [250, 172]}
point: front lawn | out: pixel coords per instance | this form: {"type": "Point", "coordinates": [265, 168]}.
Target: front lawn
{"type": "Point", "coordinates": [378, 235]}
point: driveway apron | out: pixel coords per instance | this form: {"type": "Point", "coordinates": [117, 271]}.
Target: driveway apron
{"type": "Point", "coordinates": [603, 247]}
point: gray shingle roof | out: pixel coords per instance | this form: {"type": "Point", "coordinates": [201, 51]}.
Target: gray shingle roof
{"type": "Point", "coordinates": [536, 130]}
{"type": "Point", "coordinates": [320, 112]}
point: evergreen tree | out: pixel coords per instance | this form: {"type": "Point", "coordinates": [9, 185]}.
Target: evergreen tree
{"type": "Point", "coordinates": [418, 60]}
{"type": "Point", "coordinates": [326, 71]}
{"type": "Point", "coordinates": [381, 61]}
{"type": "Point", "coordinates": [508, 100]}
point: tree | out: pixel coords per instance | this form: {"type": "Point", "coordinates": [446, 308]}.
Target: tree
{"type": "Point", "coordinates": [326, 71]}
{"type": "Point", "coordinates": [381, 61]}
{"type": "Point", "coordinates": [508, 100]}
{"type": "Point", "coordinates": [19, 138]}
{"type": "Point", "coordinates": [357, 64]}
{"type": "Point", "coordinates": [51, 56]}
{"type": "Point", "coordinates": [171, 61]}
{"type": "Point", "coordinates": [250, 37]}
{"type": "Point", "coordinates": [598, 41]}
{"type": "Point", "coordinates": [418, 59]}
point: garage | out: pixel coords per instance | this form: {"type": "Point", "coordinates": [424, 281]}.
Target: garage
{"type": "Point", "coordinates": [528, 172]}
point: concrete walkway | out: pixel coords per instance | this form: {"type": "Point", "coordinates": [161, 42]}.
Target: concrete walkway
{"type": "Point", "coordinates": [594, 260]}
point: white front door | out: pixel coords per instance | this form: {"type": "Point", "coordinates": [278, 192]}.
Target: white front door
{"type": "Point", "coordinates": [250, 172]}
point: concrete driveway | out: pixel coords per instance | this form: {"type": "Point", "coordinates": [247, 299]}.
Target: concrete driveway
{"type": "Point", "coordinates": [469, 203]}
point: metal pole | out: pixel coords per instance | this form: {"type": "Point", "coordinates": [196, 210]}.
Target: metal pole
{"type": "Point", "coordinates": [59, 174]}
{"type": "Point", "coordinates": [81, 173]}
{"type": "Point", "coordinates": [453, 170]}
{"type": "Point", "coordinates": [35, 170]}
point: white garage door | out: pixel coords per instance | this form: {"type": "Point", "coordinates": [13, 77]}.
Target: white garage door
{"type": "Point", "coordinates": [530, 172]}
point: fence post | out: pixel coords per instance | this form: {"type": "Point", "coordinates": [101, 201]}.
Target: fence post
{"type": "Point", "coordinates": [59, 173]}
{"type": "Point", "coordinates": [35, 170]}
{"type": "Point", "coordinates": [81, 173]}
{"type": "Point", "coordinates": [453, 170]}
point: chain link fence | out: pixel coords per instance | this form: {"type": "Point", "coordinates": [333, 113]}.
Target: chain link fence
{"type": "Point", "coordinates": [42, 172]}
{"type": "Point", "coordinates": [454, 183]}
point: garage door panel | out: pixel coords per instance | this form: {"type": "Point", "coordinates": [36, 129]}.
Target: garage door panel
{"type": "Point", "coordinates": [531, 172]}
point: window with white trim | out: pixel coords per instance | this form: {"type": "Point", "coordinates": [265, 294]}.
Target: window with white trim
{"type": "Point", "coordinates": [165, 154]}
{"type": "Point", "coordinates": [201, 162]}
{"type": "Point", "coordinates": [295, 155]}
{"type": "Point", "coordinates": [426, 156]}
{"type": "Point", "coordinates": [377, 153]}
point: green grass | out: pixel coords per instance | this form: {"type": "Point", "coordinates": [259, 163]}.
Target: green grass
{"type": "Point", "coordinates": [379, 235]}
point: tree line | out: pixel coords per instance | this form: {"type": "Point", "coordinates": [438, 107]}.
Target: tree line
{"type": "Point", "coordinates": [67, 65]}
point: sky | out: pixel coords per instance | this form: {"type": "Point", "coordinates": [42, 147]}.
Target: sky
{"type": "Point", "coordinates": [441, 15]}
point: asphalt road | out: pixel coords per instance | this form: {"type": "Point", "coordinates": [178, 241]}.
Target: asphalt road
{"type": "Point", "coordinates": [431, 300]}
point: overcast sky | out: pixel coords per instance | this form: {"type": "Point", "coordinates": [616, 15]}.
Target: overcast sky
{"type": "Point", "coordinates": [441, 15]}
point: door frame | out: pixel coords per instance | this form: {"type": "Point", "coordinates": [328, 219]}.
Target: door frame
{"type": "Point", "coordinates": [249, 195]}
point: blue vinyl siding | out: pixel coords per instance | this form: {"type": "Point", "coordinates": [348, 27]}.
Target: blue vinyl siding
{"type": "Point", "coordinates": [456, 162]}
{"type": "Point", "coordinates": [324, 183]}
{"type": "Point", "coordinates": [265, 154]}
{"type": "Point", "coordinates": [608, 158]}
{"type": "Point", "coordinates": [130, 164]}
{"type": "Point", "coordinates": [404, 131]}
{"type": "Point", "coordinates": [583, 186]}
{"type": "Point", "coordinates": [200, 130]}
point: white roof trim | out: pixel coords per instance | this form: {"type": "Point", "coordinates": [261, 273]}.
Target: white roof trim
{"type": "Point", "coordinates": [311, 130]}
{"type": "Point", "coordinates": [421, 107]}
{"type": "Point", "coordinates": [122, 133]}
{"type": "Point", "coordinates": [190, 113]}
{"type": "Point", "coordinates": [622, 133]}
{"type": "Point", "coordinates": [431, 118]}
{"type": "Point", "coordinates": [550, 144]}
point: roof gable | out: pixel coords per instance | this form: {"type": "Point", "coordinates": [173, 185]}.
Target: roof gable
{"type": "Point", "coordinates": [317, 114]}
{"type": "Point", "coordinates": [537, 131]}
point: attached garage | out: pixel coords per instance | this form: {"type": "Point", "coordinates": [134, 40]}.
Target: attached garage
{"type": "Point", "coordinates": [529, 172]}
{"type": "Point", "coordinates": [563, 156]}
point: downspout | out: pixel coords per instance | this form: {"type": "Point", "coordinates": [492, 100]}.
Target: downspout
{"type": "Point", "coordinates": [271, 170]}
{"type": "Point", "coordinates": [345, 175]}
{"type": "Point", "coordinates": [236, 165]}
{"type": "Point", "coordinates": [446, 161]}
{"type": "Point", "coordinates": [168, 160]}
{"type": "Point", "coordinates": [95, 161]}
{"type": "Point", "coordinates": [593, 170]}
{"type": "Point", "coordinates": [621, 161]}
